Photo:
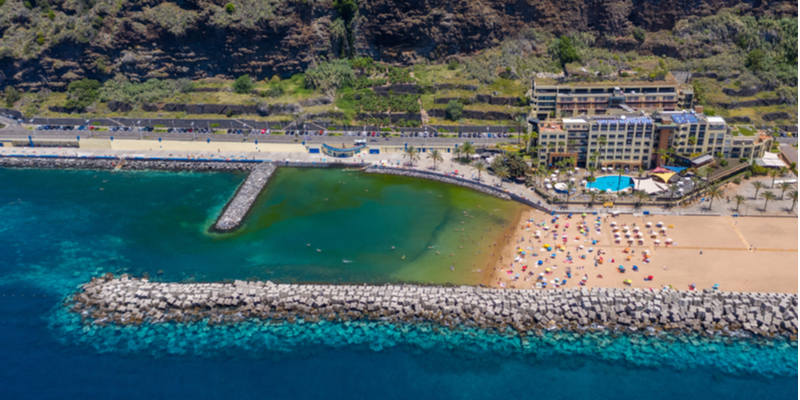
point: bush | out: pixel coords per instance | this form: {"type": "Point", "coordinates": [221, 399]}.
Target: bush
{"type": "Point", "coordinates": [737, 180]}
{"type": "Point", "coordinates": [639, 34]}
{"type": "Point", "coordinates": [329, 76]}
{"type": "Point", "coordinates": [243, 84]}
{"type": "Point", "coordinates": [50, 14]}
{"type": "Point", "coordinates": [230, 8]}
{"type": "Point", "coordinates": [149, 91]}
{"type": "Point", "coordinates": [452, 65]}
{"type": "Point", "coordinates": [453, 110]}
{"type": "Point", "coordinates": [755, 60]}
{"type": "Point", "coordinates": [12, 96]}
{"type": "Point", "coordinates": [82, 94]}
{"type": "Point", "coordinates": [274, 91]}
{"type": "Point", "coordinates": [748, 175]}
{"type": "Point", "coordinates": [565, 51]}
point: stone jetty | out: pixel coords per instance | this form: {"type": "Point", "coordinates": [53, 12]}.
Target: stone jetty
{"type": "Point", "coordinates": [240, 205]}
{"type": "Point", "coordinates": [440, 178]}
{"type": "Point", "coordinates": [127, 164]}
{"type": "Point", "coordinates": [123, 300]}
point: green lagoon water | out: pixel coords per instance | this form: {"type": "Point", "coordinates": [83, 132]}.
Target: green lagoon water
{"type": "Point", "coordinates": [90, 222]}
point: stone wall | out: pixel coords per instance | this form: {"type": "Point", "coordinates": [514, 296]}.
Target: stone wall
{"type": "Point", "coordinates": [132, 301]}
{"type": "Point", "coordinates": [111, 163]}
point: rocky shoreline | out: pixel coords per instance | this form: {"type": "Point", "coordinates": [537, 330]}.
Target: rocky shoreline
{"type": "Point", "coordinates": [127, 164]}
{"type": "Point", "coordinates": [123, 300]}
{"type": "Point", "coordinates": [439, 178]}
{"type": "Point", "coordinates": [247, 193]}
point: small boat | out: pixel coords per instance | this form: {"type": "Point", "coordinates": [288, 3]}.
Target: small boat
{"type": "Point", "coordinates": [319, 251]}
{"type": "Point", "coordinates": [347, 261]}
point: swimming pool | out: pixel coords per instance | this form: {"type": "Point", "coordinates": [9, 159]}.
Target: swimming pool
{"type": "Point", "coordinates": [615, 183]}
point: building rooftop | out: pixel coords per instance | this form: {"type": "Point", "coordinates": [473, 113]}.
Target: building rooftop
{"type": "Point", "coordinates": [606, 80]}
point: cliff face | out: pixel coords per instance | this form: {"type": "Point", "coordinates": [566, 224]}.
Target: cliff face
{"type": "Point", "coordinates": [198, 38]}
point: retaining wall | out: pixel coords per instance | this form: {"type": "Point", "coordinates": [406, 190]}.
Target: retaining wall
{"type": "Point", "coordinates": [131, 301]}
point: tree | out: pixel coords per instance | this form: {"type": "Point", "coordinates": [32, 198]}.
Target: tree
{"type": "Point", "coordinates": [640, 197]}
{"type": "Point", "coordinates": [565, 51]}
{"type": "Point", "coordinates": [457, 152]}
{"type": "Point", "coordinates": [739, 199]}
{"type": "Point", "coordinates": [758, 186]}
{"type": "Point", "coordinates": [329, 76]}
{"type": "Point", "coordinates": [639, 34]}
{"type": "Point", "coordinates": [480, 167]}
{"type": "Point", "coordinates": [521, 119]}
{"type": "Point", "coordinates": [784, 187]}
{"type": "Point", "coordinates": [346, 8]}
{"type": "Point", "coordinates": [502, 173]}
{"type": "Point", "coordinates": [793, 196]}
{"type": "Point", "coordinates": [591, 170]}
{"type": "Point", "coordinates": [593, 196]}
{"type": "Point", "coordinates": [467, 149]}
{"type": "Point", "coordinates": [435, 156]}
{"type": "Point", "coordinates": [82, 94]}
{"type": "Point", "coordinates": [230, 8]}
{"type": "Point", "coordinates": [768, 196]}
{"type": "Point", "coordinates": [412, 154]}
{"type": "Point", "coordinates": [714, 192]}
{"type": "Point", "coordinates": [570, 186]}
{"type": "Point", "coordinates": [12, 96]}
{"type": "Point", "coordinates": [692, 142]}
{"type": "Point", "coordinates": [672, 189]}
{"type": "Point", "coordinates": [755, 60]}
{"type": "Point", "coordinates": [243, 84]}
{"type": "Point", "coordinates": [602, 141]}
{"type": "Point", "coordinates": [774, 174]}
{"type": "Point", "coordinates": [641, 173]}
{"type": "Point", "coordinates": [453, 110]}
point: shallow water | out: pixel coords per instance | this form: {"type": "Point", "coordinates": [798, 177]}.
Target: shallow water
{"type": "Point", "coordinates": [59, 229]}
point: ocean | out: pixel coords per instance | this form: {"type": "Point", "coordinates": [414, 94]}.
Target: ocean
{"type": "Point", "coordinates": [60, 228]}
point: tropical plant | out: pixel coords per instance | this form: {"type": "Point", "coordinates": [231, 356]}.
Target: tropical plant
{"type": "Point", "coordinates": [713, 192]}
{"type": "Point", "coordinates": [412, 154]}
{"type": "Point", "coordinates": [793, 196]}
{"type": "Point", "coordinates": [502, 173]}
{"type": "Point", "coordinates": [435, 156]}
{"type": "Point", "coordinates": [640, 196]}
{"type": "Point", "coordinates": [784, 187]}
{"type": "Point", "coordinates": [593, 196]}
{"type": "Point", "coordinates": [774, 174]}
{"type": "Point", "coordinates": [570, 186]}
{"type": "Point", "coordinates": [758, 186]}
{"type": "Point", "coordinates": [521, 119]}
{"type": "Point", "coordinates": [602, 141]}
{"type": "Point", "coordinates": [480, 167]}
{"type": "Point", "coordinates": [457, 152]}
{"type": "Point", "coordinates": [453, 110]}
{"type": "Point", "coordinates": [672, 189]}
{"type": "Point", "coordinates": [243, 84]}
{"type": "Point", "coordinates": [467, 149]}
{"type": "Point", "coordinates": [739, 199]}
{"type": "Point", "coordinates": [591, 170]}
{"type": "Point", "coordinates": [640, 171]}
{"type": "Point", "coordinates": [768, 196]}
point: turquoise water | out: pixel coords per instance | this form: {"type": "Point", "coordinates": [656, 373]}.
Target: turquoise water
{"type": "Point", "coordinates": [59, 229]}
{"type": "Point", "coordinates": [615, 183]}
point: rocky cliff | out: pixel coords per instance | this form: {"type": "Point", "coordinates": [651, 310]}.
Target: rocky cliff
{"type": "Point", "coordinates": [49, 44]}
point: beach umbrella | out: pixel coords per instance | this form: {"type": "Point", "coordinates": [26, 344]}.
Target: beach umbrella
{"type": "Point", "coordinates": [613, 223]}
{"type": "Point", "coordinates": [630, 240]}
{"type": "Point", "coordinates": [646, 251]}
{"type": "Point", "coordinates": [669, 240]}
{"type": "Point", "coordinates": [649, 224]}
{"type": "Point", "coordinates": [540, 262]}
{"type": "Point", "coordinates": [659, 223]}
{"type": "Point", "coordinates": [547, 270]}
{"type": "Point", "coordinates": [580, 247]}
{"type": "Point", "coordinates": [657, 241]}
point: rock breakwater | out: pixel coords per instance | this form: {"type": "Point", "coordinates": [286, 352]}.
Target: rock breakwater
{"type": "Point", "coordinates": [127, 164]}
{"type": "Point", "coordinates": [439, 178]}
{"type": "Point", "coordinates": [240, 205]}
{"type": "Point", "coordinates": [124, 300]}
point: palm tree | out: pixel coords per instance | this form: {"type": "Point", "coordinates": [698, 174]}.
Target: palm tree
{"type": "Point", "coordinates": [640, 196]}
{"type": "Point", "coordinates": [480, 167]}
{"type": "Point", "coordinates": [768, 196]}
{"type": "Point", "coordinates": [467, 149]}
{"type": "Point", "coordinates": [692, 141]}
{"type": "Point", "coordinates": [793, 196]}
{"type": "Point", "coordinates": [784, 187]}
{"type": "Point", "coordinates": [662, 154]}
{"type": "Point", "coordinates": [672, 189]}
{"type": "Point", "coordinates": [570, 186]}
{"type": "Point", "coordinates": [591, 170]}
{"type": "Point", "coordinates": [561, 146]}
{"type": "Point", "coordinates": [412, 154]}
{"type": "Point", "coordinates": [758, 185]}
{"type": "Point", "coordinates": [502, 173]}
{"type": "Point", "coordinates": [739, 201]}
{"type": "Point", "coordinates": [774, 174]}
{"type": "Point", "coordinates": [497, 163]}
{"type": "Point", "coordinates": [457, 153]}
{"type": "Point", "coordinates": [593, 196]}
{"type": "Point", "coordinates": [435, 156]}
{"type": "Point", "coordinates": [570, 144]}
{"type": "Point", "coordinates": [714, 192]}
{"type": "Point", "coordinates": [602, 141]}
{"type": "Point", "coordinates": [641, 173]}
{"type": "Point", "coordinates": [521, 119]}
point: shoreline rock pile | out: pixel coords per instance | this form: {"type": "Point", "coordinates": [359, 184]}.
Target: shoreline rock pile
{"type": "Point", "coordinates": [124, 300]}
{"type": "Point", "coordinates": [439, 178]}
{"type": "Point", "coordinates": [127, 165]}
{"type": "Point", "coordinates": [244, 198]}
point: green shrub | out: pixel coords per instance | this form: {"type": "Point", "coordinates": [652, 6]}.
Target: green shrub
{"type": "Point", "coordinates": [12, 96]}
{"type": "Point", "coordinates": [452, 65]}
{"type": "Point", "coordinates": [40, 39]}
{"type": "Point", "coordinates": [50, 14]}
{"type": "Point", "coordinates": [214, 125]}
{"type": "Point", "coordinates": [748, 175]}
{"type": "Point", "coordinates": [149, 91]}
{"type": "Point", "coordinates": [755, 60]}
{"type": "Point", "coordinates": [243, 84]}
{"type": "Point", "coordinates": [565, 51]}
{"type": "Point", "coordinates": [81, 94]}
{"type": "Point", "coordinates": [639, 34]}
{"type": "Point", "coordinates": [2, 2]}
{"type": "Point", "coordinates": [230, 8]}
{"type": "Point", "coordinates": [274, 91]}
{"type": "Point", "coordinates": [27, 4]}
{"type": "Point", "coordinates": [737, 180]}
{"type": "Point", "coordinates": [453, 110]}
{"type": "Point", "coordinates": [329, 76]}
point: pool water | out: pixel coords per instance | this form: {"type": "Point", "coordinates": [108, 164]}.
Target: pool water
{"type": "Point", "coordinates": [615, 183]}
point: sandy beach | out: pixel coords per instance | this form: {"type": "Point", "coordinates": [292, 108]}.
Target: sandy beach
{"type": "Point", "coordinates": [738, 254]}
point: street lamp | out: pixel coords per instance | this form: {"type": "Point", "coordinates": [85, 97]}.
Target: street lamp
{"type": "Point", "coordinates": [141, 136]}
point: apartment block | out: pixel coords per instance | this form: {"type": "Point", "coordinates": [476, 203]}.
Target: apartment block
{"type": "Point", "coordinates": [561, 98]}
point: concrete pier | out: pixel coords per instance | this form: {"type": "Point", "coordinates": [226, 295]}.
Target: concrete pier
{"type": "Point", "coordinates": [123, 300]}
{"type": "Point", "coordinates": [240, 205]}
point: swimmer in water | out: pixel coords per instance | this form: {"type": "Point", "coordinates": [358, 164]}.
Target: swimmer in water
{"type": "Point", "coordinates": [392, 247]}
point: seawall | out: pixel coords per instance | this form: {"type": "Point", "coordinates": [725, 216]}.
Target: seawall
{"type": "Point", "coordinates": [124, 301]}
{"type": "Point", "coordinates": [245, 196]}
{"type": "Point", "coordinates": [128, 164]}
{"type": "Point", "coordinates": [440, 178]}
